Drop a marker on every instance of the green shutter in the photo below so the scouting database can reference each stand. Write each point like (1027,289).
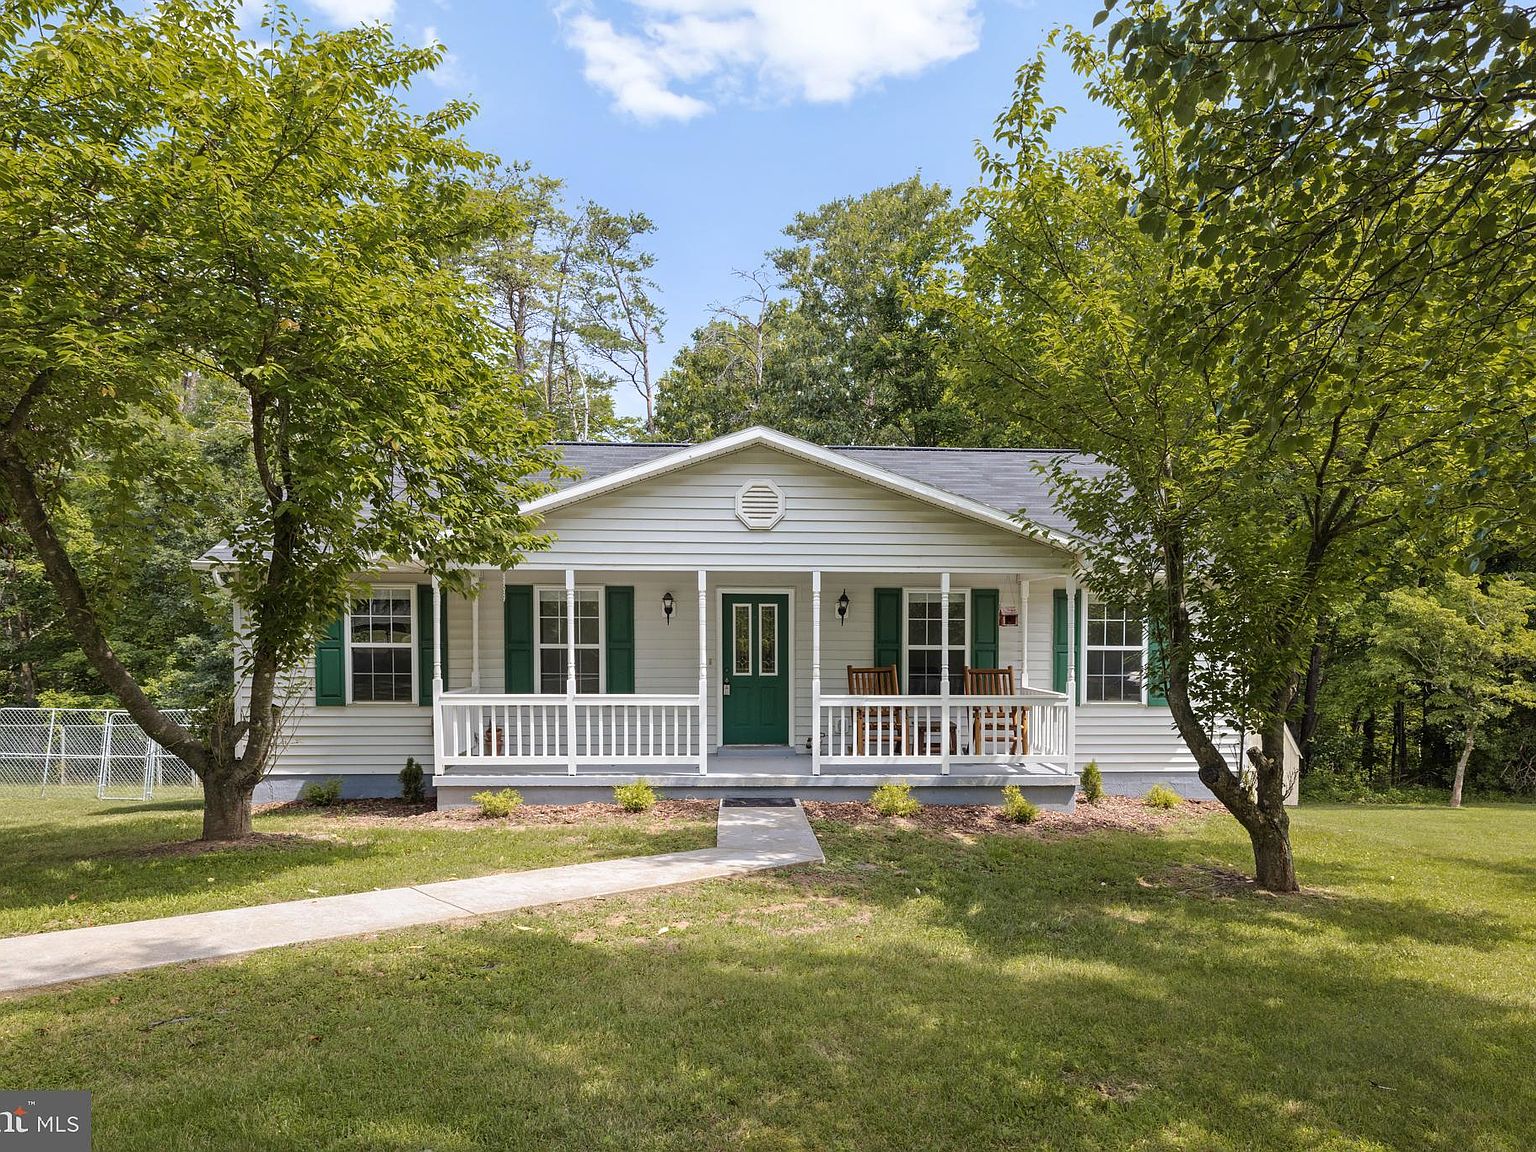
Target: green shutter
(1059,639)
(619,622)
(1157,675)
(517,637)
(331,666)
(984,604)
(424,642)
(888,629)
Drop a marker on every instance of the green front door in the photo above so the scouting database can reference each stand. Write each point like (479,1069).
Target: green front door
(755,685)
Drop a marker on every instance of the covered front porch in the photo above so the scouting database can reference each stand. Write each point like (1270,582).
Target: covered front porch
(767,708)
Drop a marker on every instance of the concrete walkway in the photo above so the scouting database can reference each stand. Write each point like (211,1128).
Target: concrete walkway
(748,840)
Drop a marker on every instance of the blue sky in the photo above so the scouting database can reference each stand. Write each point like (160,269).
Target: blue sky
(720,119)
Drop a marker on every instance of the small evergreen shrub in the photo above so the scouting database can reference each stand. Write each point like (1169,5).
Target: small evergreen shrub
(321,793)
(1162,796)
(412,788)
(1017,808)
(1092,782)
(495,804)
(895,800)
(636,797)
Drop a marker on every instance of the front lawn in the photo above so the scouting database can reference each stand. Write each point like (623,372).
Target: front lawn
(922,990)
(72,862)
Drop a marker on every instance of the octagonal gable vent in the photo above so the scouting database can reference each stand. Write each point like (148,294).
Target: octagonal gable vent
(760,504)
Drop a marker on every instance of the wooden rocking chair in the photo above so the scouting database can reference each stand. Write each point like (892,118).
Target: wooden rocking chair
(996,729)
(886,726)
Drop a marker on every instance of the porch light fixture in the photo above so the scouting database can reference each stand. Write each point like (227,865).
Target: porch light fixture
(842,607)
(667,604)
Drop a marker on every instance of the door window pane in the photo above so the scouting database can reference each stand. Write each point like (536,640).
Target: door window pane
(741,640)
(768,639)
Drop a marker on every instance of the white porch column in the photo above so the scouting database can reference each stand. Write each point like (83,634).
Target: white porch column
(474,633)
(1023,632)
(570,670)
(437,678)
(1071,672)
(703,673)
(944,717)
(815,673)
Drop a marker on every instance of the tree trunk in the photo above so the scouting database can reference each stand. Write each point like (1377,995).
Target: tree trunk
(1368,748)
(1461,766)
(1262,811)
(226,807)
(1314,685)
(1273,865)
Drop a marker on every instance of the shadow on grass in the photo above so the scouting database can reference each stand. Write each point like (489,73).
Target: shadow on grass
(914,993)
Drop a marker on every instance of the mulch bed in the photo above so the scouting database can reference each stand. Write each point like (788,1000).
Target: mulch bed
(381,813)
(1112,813)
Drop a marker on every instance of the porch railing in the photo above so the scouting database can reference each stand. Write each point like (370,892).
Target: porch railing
(544,731)
(1030,727)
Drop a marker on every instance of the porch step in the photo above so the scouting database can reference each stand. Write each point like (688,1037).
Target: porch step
(758,802)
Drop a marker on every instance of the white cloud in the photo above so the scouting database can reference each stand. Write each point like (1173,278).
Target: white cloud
(356,11)
(449,73)
(679,56)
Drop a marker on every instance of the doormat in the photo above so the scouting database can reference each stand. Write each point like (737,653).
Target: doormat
(758,802)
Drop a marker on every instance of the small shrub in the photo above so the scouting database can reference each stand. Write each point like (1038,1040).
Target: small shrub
(1092,782)
(412,789)
(1162,796)
(895,800)
(636,797)
(321,793)
(1017,808)
(494,804)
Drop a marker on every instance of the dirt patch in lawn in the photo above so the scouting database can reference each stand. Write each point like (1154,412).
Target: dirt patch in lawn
(1216,883)
(1112,813)
(256,840)
(384,813)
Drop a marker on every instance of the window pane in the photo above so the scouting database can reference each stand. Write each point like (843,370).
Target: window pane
(923,672)
(587,678)
(768,639)
(552,670)
(741,640)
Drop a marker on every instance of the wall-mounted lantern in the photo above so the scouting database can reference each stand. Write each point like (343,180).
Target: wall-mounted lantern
(842,606)
(667,604)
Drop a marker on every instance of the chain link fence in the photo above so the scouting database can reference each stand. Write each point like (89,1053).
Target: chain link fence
(77,751)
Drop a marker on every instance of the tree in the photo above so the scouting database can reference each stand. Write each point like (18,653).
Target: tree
(1471,649)
(174,198)
(872,344)
(620,319)
(1243,500)
(537,270)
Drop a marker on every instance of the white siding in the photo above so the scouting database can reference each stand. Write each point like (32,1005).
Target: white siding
(357,738)
(688,518)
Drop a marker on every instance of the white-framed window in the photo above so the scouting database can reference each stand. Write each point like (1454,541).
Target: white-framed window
(381,636)
(551,635)
(1114,654)
(925,641)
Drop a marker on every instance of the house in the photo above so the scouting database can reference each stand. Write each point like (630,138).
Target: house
(724,618)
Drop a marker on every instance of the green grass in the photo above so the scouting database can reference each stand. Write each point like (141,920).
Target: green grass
(916,992)
(72,862)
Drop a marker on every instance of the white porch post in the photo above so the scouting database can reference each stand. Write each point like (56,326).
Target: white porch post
(1071,672)
(703,674)
(474,633)
(438,767)
(944,669)
(816,672)
(570,671)
(1023,632)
